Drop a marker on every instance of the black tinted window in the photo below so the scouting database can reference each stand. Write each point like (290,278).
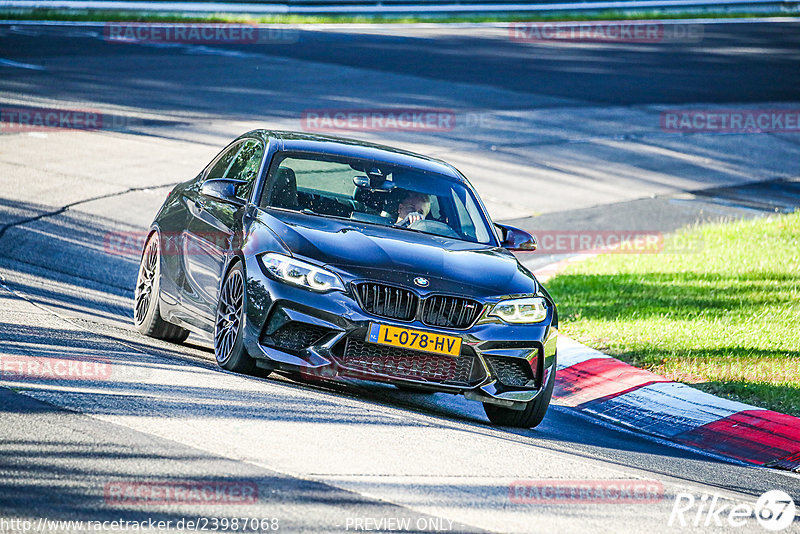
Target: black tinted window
(245,167)
(223,162)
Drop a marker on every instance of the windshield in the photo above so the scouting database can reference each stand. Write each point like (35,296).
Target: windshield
(376,193)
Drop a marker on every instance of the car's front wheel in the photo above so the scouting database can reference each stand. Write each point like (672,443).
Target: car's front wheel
(229,346)
(146,310)
(533,413)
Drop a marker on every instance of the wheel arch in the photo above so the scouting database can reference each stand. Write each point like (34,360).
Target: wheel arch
(154,229)
(236,257)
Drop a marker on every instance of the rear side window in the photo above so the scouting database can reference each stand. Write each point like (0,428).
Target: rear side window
(245,166)
(319,177)
(323,186)
(219,167)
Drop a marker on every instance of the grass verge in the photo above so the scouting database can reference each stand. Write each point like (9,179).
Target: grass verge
(723,316)
(97,15)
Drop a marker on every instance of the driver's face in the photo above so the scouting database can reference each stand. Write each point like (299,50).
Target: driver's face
(410,205)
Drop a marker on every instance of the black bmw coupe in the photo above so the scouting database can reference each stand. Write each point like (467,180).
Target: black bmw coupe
(317,256)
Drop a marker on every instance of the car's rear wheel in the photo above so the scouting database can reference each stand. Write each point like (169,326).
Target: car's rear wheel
(531,416)
(229,325)
(146,299)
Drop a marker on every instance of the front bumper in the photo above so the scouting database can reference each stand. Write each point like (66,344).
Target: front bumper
(321,336)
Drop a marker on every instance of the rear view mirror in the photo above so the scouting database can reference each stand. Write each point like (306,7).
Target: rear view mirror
(361,181)
(516,239)
(374,184)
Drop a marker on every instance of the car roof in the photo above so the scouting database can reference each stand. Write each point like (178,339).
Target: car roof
(340,146)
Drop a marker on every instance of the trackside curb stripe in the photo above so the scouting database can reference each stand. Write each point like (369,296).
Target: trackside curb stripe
(605,387)
(790,463)
(665,409)
(758,436)
(571,352)
(598,378)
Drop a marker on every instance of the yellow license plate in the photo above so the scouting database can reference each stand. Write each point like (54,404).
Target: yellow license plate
(414,339)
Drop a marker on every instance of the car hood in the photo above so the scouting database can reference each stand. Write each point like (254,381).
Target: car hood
(366,251)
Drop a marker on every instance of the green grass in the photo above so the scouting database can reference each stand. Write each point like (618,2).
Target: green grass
(723,316)
(140,16)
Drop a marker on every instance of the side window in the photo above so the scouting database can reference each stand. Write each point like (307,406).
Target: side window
(223,162)
(245,167)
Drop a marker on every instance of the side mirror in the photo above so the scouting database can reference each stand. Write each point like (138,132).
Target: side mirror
(516,239)
(223,189)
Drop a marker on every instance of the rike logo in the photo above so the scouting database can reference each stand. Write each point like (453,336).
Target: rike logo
(774,511)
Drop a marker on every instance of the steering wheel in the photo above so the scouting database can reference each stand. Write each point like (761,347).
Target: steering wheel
(434,227)
(405,222)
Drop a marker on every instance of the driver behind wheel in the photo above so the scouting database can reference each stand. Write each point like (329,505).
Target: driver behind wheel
(412,208)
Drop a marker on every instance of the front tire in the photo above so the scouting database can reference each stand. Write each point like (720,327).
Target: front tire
(229,324)
(147,297)
(533,413)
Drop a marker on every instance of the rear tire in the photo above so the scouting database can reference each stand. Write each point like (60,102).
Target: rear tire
(533,413)
(229,347)
(147,297)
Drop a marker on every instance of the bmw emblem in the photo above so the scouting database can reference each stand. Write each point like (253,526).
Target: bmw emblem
(421,282)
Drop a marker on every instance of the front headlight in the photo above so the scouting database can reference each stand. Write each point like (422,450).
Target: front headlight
(301,273)
(526,310)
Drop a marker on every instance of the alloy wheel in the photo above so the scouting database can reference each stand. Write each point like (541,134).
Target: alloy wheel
(229,316)
(145,280)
